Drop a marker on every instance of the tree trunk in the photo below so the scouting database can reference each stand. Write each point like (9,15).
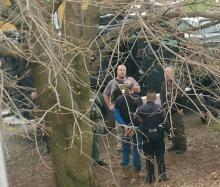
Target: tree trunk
(71,137)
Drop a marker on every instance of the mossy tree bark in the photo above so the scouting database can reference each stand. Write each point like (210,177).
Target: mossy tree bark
(60,69)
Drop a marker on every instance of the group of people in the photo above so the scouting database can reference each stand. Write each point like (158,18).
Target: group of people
(143,125)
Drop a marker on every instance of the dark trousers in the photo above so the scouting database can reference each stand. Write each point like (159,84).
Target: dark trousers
(154,148)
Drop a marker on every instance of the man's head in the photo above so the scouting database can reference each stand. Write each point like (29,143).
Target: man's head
(121,71)
(128,85)
(151,95)
(169,73)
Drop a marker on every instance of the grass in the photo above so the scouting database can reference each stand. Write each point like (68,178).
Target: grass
(200,5)
(215,124)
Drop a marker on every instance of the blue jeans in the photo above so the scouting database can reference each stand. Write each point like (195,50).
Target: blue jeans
(136,142)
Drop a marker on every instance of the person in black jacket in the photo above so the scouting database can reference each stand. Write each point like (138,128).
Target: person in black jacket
(152,119)
(125,107)
(113,90)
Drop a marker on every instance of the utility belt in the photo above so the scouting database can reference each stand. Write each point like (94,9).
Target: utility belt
(152,130)
(153,133)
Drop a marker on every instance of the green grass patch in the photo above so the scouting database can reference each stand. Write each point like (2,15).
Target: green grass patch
(200,5)
(215,124)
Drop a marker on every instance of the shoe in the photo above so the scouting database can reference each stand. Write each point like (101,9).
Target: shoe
(135,175)
(150,179)
(163,178)
(204,118)
(126,172)
(142,173)
(181,151)
(214,112)
(172,148)
(101,163)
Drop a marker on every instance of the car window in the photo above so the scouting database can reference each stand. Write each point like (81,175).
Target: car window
(110,19)
(209,30)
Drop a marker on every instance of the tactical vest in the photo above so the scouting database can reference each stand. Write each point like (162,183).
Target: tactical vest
(118,90)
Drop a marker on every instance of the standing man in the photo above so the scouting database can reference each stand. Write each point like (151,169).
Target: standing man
(172,102)
(96,117)
(152,125)
(125,107)
(113,90)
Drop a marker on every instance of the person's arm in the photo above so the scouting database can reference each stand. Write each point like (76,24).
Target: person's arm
(163,93)
(108,103)
(164,121)
(138,117)
(117,116)
(106,96)
(137,88)
(140,102)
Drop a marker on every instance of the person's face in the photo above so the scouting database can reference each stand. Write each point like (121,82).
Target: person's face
(169,74)
(121,71)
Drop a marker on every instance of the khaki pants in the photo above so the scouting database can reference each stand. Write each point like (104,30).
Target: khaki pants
(118,130)
(179,140)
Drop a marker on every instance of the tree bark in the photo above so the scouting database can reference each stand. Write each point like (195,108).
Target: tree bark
(64,94)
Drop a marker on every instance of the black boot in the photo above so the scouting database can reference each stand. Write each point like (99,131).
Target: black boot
(163,177)
(150,179)
(161,169)
(204,118)
(172,148)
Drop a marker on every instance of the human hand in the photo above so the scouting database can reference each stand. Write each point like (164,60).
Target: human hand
(33,95)
(35,109)
(129,131)
(111,107)
(180,112)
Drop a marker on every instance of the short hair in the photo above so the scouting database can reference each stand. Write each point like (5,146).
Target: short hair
(121,65)
(129,84)
(151,95)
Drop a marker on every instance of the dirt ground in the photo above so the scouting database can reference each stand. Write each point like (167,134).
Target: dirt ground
(27,163)
(198,167)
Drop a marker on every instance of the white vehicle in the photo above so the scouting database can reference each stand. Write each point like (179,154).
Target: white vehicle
(208,35)
(157,101)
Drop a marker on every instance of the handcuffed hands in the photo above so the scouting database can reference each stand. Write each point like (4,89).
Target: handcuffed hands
(129,131)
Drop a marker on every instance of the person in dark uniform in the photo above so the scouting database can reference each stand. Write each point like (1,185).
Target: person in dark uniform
(152,117)
(172,102)
(125,107)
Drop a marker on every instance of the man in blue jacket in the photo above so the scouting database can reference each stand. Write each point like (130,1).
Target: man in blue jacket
(125,107)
